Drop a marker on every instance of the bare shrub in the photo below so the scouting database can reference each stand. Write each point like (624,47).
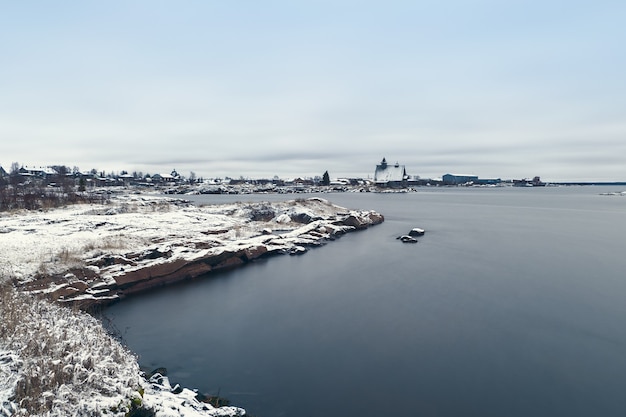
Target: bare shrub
(35,194)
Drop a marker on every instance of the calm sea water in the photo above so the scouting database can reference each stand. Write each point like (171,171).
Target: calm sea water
(512,304)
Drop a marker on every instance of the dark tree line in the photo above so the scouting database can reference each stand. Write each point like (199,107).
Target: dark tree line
(18,191)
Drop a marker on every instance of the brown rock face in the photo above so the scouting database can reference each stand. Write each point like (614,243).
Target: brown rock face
(230,263)
(180,269)
(197,269)
(149,273)
(168,273)
(64,292)
(255,252)
(376,218)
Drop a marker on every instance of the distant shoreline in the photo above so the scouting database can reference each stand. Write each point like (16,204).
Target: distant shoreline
(589,183)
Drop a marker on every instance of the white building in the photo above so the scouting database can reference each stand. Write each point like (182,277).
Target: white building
(390,175)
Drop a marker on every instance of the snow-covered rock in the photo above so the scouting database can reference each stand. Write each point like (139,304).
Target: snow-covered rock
(93,254)
(416,231)
(176,401)
(10,367)
(407,239)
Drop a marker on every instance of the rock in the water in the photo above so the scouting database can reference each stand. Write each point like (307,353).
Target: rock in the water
(407,239)
(417,232)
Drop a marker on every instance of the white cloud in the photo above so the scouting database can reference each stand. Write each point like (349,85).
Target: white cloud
(309,87)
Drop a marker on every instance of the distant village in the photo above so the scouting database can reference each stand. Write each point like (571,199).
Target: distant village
(386,175)
(58,174)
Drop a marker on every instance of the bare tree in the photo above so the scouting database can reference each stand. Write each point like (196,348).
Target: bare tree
(14,174)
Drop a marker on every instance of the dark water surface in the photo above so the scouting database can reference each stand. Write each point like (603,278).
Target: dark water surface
(512,304)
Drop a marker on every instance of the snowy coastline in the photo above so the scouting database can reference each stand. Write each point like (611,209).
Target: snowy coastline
(96,254)
(61,362)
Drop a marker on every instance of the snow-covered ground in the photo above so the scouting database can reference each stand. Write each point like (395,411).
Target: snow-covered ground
(55,361)
(52,241)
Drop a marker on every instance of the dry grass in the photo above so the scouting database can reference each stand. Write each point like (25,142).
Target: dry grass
(161,206)
(68,256)
(42,270)
(107,243)
(64,259)
(66,356)
(6,272)
(142,207)
(114,242)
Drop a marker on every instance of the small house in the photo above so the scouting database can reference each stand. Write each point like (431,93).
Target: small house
(41,172)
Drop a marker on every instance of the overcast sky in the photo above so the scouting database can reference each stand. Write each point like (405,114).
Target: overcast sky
(494,88)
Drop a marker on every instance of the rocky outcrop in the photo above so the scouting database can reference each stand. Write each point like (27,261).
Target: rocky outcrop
(362,221)
(109,277)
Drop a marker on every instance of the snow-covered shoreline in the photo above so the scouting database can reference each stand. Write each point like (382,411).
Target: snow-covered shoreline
(57,362)
(98,253)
